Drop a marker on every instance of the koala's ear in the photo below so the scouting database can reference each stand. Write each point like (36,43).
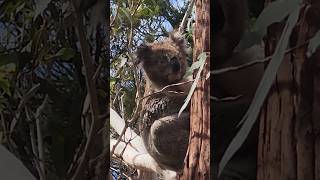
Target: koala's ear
(142,52)
(178,39)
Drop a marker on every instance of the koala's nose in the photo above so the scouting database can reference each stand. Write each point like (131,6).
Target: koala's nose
(175,66)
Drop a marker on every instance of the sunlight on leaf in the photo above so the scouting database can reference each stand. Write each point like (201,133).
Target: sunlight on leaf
(123,61)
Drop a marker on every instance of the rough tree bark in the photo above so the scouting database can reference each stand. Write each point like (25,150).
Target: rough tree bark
(197,162)
(289,121)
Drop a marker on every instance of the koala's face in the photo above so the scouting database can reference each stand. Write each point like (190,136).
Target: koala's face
(164,62)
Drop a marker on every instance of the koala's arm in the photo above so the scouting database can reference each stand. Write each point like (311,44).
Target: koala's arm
(168,140)
(243,81)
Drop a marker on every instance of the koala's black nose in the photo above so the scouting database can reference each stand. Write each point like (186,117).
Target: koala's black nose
(175,65)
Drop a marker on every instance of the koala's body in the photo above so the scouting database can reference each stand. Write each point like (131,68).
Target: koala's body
(230,24)
(165,135)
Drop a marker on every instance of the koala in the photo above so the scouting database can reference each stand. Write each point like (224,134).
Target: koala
(164,62)
(165,135)
(230,24)
(230,21)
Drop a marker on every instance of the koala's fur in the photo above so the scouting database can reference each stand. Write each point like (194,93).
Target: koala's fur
(231,18)
(164,62)
(164,134)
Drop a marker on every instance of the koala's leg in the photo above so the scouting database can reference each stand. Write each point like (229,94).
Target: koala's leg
(169,137)
(226,116)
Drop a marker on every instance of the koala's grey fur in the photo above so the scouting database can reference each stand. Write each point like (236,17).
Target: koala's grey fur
(165,135)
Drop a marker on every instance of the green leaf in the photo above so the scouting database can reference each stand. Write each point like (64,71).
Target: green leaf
(195,65)
(63,53)
(8,58)
(127,13)
(66,53)
(201,59)
(314,44)
(251,115)
(112,83)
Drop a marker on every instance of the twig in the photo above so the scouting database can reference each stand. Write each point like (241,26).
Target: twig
(186,15)
(33,143)
(23,101)
(225,99)
(119,139)
(91,88)
(96,74)
(124,128)
(242,66)
(163,90)
(135,10)
(39,136)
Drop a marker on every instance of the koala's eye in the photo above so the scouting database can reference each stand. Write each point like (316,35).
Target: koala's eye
(162,61)
(174,59)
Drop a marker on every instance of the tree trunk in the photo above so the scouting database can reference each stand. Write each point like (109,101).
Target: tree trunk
(197,162)
(289,121)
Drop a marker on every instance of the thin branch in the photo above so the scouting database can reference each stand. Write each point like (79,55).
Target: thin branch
(115,16)
(118,124)
(135,10)
(22,103)
(225,99)
(243,66)
(40,138)
(124,128)
(91,88)
(33,143)
(166,91)
(186,15)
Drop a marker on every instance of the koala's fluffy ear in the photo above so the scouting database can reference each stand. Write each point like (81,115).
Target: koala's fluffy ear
(178,39)
(142,52)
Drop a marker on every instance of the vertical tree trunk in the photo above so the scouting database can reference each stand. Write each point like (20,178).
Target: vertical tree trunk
(289,122)
(197,163)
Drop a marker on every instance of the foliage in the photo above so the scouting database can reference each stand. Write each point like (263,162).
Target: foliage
(39,46)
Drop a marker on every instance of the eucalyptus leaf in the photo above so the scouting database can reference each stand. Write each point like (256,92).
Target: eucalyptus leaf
(201,59)
(63,53)
(194,66)
(313,44)
(276,11)
(66,53)
(8,58)
(127,13)
(252,113)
